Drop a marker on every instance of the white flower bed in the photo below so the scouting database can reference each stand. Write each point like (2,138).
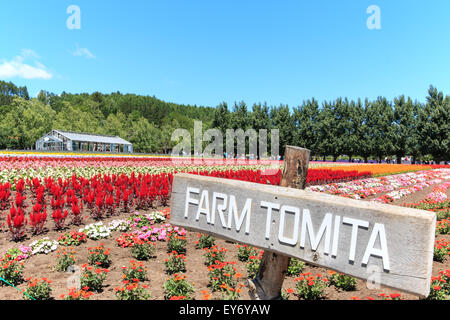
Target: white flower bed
(96,231)
(156,216)
(44,245)
(119,225)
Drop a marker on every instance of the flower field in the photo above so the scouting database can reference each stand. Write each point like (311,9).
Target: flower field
(394,186)
(92,227)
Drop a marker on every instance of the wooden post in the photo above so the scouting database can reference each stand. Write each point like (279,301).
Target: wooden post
(272,270)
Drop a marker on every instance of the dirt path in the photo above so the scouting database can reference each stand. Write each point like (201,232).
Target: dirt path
(418,196)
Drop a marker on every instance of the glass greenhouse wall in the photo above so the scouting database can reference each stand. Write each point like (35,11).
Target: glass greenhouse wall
(58,140)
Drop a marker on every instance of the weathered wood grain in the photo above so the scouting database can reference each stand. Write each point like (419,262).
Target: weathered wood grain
(409,232)
(273,267)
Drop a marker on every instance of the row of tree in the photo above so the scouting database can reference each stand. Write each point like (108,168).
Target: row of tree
(367,129)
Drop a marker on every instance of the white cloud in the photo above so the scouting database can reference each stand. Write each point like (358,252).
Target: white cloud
(17,68)
(83,52)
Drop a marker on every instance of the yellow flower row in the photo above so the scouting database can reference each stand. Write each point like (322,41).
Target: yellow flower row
(381,169)
(63,153)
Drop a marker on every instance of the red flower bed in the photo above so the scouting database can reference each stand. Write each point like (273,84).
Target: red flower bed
(107,195)
(325,176)
(314,177)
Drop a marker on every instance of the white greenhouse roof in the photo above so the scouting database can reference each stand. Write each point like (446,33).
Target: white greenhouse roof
(48,138)
(87,137)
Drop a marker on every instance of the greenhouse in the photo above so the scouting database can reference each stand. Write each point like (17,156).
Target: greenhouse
(58,140)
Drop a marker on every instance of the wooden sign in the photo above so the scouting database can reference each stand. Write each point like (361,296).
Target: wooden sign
(390,244)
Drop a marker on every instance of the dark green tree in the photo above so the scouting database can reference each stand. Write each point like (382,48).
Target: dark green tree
(306,120)
(281,119)
(260,120)
(354,142)
(434,126)
(379,124)
(329,131)
(365,137)
(404,127)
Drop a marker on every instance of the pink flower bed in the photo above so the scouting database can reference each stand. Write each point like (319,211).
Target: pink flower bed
(397,186)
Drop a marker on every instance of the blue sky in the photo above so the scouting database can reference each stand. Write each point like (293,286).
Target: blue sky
(207,51)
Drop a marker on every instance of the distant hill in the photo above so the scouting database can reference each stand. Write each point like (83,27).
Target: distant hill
(146,121)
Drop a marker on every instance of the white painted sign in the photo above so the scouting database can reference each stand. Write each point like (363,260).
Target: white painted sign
(350,236)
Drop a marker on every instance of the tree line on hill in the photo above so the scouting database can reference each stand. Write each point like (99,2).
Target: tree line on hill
(145,121)
(367,129)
